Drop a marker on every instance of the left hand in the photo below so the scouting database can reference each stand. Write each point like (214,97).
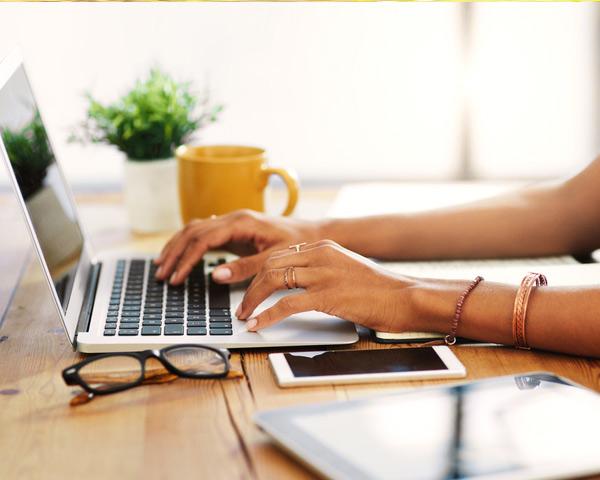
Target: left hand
(335,281)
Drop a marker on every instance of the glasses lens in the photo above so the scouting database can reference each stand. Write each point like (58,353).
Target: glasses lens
(196,360)
(111,372)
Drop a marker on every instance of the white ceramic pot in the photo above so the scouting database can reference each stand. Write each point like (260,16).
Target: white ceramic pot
(151,195)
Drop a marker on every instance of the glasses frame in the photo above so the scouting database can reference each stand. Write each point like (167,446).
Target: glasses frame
(71,374)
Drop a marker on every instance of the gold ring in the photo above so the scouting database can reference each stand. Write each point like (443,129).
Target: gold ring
(286,278)
(297,246)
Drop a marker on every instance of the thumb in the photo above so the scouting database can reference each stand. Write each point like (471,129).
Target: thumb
(240,269)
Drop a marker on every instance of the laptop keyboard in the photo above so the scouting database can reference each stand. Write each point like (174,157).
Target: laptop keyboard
(142,305)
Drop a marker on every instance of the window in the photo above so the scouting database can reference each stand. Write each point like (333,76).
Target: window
(337,91)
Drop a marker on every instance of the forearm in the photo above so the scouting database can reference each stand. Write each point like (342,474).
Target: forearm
(532,222)
(509,226)
(558,318)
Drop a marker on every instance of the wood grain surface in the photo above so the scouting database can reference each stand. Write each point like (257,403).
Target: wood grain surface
(183,429)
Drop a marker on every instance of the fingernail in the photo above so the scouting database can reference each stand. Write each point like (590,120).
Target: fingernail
(238,311)
(223,273)
(251,324)
(173,277)
(158,272)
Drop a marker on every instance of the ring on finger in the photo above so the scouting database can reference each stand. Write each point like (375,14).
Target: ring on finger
(290,273)
(297,246)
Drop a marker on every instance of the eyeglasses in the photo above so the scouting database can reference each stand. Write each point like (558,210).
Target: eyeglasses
(114,372)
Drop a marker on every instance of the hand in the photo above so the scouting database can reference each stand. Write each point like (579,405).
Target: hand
(334,281)
(243,232)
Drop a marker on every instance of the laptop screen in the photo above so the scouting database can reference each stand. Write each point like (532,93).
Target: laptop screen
(40,182)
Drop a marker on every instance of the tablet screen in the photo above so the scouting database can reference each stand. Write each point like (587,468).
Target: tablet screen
(511,427)
(310,364)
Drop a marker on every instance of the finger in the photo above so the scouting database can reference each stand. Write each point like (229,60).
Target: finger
(201,233)
(269,282)
(193,253)
(303,248)
(240,269)
(166,248)
(304,258)
(196,250)
(302,302)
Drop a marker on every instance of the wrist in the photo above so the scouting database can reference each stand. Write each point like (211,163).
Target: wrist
(338,230)
(434,303)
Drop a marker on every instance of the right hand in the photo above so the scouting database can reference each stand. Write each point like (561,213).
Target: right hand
(255,233)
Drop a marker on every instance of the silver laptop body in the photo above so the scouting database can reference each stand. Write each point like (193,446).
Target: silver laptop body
(94,295)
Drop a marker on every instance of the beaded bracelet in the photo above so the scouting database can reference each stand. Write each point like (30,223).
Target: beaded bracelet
(520,309)
(450,339)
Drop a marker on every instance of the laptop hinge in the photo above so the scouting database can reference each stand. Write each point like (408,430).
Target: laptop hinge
(85,316)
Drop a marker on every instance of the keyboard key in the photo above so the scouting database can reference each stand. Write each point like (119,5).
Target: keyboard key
(153,311)
(196,324)
(109,332)
(131,308)
(173,329)
(174,314)
(153,305)
(196,317)
(220,326)
(220,320)
(128,333)
(154,293)
(129,326)
(173,320)
(196,311)
(151,330)
(221,332)
(218,295)
(152,316)
(220,312)
(130,314)
(196,331)
(151,322)
(130,319)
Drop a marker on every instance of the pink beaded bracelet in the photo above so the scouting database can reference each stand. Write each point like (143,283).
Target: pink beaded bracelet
(450,339)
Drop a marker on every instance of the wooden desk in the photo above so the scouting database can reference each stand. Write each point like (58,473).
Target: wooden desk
(186,429)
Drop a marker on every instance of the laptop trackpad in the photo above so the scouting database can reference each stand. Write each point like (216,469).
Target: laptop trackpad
(306,324)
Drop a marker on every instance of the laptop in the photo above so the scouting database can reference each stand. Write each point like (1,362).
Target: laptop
(112,302)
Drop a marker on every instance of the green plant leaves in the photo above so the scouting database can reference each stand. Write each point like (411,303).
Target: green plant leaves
(29,152)
(150,121)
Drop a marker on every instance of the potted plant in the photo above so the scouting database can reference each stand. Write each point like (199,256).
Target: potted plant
(147,124)
(30,155)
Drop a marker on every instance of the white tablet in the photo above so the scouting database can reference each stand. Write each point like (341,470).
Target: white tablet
(508,428)
(361,366)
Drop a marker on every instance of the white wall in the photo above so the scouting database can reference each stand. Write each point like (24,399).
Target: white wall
(534,91)
(337,91)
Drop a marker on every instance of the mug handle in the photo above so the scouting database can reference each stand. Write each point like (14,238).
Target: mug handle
(291,182)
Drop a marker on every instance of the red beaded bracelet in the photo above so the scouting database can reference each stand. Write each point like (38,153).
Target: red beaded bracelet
(450,339)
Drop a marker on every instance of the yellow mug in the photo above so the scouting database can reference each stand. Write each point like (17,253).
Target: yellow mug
(214,180)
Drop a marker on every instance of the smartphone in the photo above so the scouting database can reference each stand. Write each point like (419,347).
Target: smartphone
(364,366)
